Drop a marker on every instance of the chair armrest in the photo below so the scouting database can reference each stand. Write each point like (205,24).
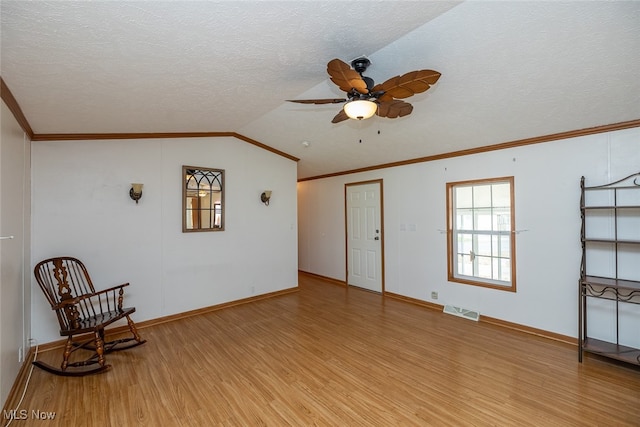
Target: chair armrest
(103,301)
(110,289)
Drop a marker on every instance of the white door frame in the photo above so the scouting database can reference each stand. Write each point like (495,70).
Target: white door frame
(346,226)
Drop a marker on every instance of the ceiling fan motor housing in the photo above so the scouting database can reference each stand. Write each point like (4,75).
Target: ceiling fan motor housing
(360,64)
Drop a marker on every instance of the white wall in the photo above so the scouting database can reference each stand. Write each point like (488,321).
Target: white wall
(14,253)
(81,208)
(547,192)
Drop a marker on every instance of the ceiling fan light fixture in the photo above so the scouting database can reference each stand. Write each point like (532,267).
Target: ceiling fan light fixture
(360,109)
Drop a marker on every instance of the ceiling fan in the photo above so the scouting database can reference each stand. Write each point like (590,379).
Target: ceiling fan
(365,98)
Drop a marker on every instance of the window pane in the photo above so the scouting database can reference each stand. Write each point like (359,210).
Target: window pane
(483,219)
(464,197)
(504,247)
(465,243)
(464,219)
(465,266)
(484,245)
(482,196)
(484,267)
(501,195)
(505,270)
(501,219)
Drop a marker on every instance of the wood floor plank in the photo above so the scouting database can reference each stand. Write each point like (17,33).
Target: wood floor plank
(334,356)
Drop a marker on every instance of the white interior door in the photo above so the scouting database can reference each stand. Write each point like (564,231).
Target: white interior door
(364,236)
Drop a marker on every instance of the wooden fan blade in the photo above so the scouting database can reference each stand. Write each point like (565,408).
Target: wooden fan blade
(408,84)
(318,101)
(384,97)
(340,117)
(394,109)
(345,77)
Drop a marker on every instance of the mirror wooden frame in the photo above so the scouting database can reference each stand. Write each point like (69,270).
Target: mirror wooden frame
(202,199)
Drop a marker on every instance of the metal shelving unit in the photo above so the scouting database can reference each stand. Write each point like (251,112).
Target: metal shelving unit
(614,208)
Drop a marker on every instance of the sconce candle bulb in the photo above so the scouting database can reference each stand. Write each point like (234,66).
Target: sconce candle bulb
(136,192)
(265,196)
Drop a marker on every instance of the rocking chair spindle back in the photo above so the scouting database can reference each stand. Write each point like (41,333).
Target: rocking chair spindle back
(82,311)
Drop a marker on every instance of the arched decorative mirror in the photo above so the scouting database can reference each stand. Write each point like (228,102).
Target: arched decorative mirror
(202,199)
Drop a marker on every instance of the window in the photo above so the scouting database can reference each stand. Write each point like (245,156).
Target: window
(203,199)
(481,233)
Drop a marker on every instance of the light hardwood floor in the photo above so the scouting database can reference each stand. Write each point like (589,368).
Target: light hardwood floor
(332,356)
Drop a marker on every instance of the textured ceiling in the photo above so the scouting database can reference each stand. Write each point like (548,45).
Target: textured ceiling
(510,70)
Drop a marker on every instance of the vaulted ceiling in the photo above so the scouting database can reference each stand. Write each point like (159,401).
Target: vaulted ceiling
(510,71)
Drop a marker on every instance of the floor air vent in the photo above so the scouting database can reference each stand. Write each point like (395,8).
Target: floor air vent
(462,312)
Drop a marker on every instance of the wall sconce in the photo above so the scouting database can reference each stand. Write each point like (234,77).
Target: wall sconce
(265,196)
(136,192)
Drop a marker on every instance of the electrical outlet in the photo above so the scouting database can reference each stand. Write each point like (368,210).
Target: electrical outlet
(434,295)
(20,355)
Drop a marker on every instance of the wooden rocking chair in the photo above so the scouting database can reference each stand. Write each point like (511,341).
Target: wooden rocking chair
(83,314)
